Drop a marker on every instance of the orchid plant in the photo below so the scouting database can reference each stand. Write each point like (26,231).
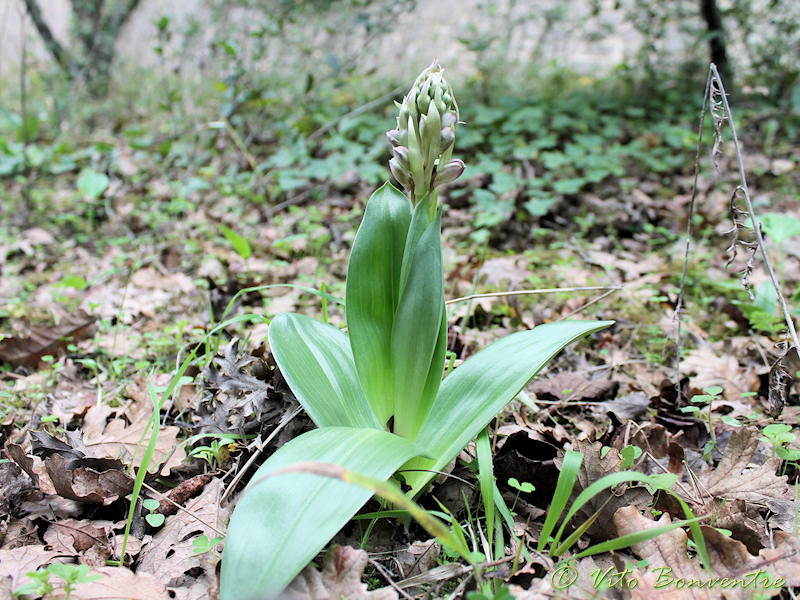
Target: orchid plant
(377,393)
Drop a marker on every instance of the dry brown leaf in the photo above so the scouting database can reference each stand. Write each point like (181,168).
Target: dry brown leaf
(87,483)
(117,583)
(170,555)
(565,581)
(573,386)
(117,439)
(668,561)
(150,278)
(734,478)
(16,562)
(36,341)
(33,466)
(418,557)
(73,537)
(724,371)
(341,576)
(607,502)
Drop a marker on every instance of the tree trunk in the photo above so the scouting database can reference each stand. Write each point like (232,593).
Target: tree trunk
(716,41)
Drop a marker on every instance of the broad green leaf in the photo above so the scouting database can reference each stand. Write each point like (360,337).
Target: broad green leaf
(91,183)
(317,363)
(239,243)
(280,523)
(416,333)
(373,293)
(479,389)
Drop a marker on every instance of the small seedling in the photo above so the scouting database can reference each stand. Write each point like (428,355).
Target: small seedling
(779,435)
(217,452)
(629,454)
(153,518)
(71,574)
(201,544)
(239,243)
(707,399)
(524,487)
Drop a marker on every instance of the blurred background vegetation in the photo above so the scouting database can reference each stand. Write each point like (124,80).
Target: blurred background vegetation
(280,102)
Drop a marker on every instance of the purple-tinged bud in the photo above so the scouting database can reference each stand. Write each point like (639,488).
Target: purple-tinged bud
(395,137)
(401,153)
(449,172)
(448,136)
(448,119)
(400,173)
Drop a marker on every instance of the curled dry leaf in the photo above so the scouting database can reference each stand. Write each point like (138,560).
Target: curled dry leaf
(341,576)
(571,385)
(781,378)
(63,469)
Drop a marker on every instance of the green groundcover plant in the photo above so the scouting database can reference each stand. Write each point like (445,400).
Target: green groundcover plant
(376,393)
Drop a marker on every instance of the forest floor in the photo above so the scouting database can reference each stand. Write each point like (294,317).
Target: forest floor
(119,258)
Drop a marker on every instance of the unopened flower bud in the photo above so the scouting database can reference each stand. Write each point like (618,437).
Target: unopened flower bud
(400,173)
(449,119)
(423,140)
(449,172)
(447,137)
(401,154)
(397,137)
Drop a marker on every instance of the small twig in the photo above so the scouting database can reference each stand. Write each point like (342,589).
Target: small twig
(590,288)
(676,316)
(588,304)
(756,227)
(285,420)
(377,566)
(181,508)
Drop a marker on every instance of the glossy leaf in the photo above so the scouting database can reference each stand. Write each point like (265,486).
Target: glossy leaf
(280,523)
(479,389)
(373,293)
(415,334)
(317,363)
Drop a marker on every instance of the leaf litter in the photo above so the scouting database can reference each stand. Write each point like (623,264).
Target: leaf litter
(63,489)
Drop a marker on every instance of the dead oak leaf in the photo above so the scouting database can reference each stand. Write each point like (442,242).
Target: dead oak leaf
(16,562)
(669,561)
(72,536)
(36,341)
(118,583)
(724,371)
(341,575)
(116,438)
(170,555)
(734,477)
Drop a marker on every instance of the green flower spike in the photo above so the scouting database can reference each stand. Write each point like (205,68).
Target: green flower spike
(422,144)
